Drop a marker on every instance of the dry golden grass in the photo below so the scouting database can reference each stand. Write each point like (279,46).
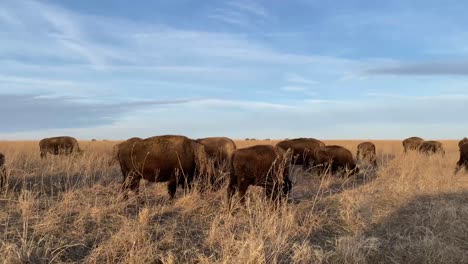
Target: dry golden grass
(67,209)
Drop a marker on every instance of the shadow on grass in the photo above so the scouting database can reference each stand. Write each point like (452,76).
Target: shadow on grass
(428,229)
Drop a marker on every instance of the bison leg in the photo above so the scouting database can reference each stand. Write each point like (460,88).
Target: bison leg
(287,186)
(172,187)
(460,165)
(43,155)
(130,182)
(242,185)
(231,190)
(3,178)
(135,185)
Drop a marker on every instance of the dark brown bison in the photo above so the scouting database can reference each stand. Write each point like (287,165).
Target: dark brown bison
(463,162)
(302,150)
(431,147)
(3,172)
(335,158)
(412,143)
(115,150)
(463,141)
(175,159)
(260,165)
(366,153)
(219,149)
(59,146)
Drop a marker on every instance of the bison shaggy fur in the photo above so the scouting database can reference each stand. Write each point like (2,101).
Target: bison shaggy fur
(412,143)
(431,147)
(463,141)
(219,149)
(59,146)
(366,152)
(261,165)
(335,158)
(115,149)
(302,150)
(169,158)
(463,162)
(3,173)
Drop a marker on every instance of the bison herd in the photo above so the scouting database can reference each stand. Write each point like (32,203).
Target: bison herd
(179,160)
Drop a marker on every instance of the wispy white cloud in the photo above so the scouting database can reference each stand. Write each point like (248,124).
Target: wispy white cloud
(250,7)
(293,88)
(230,17)
(238,13)
(296,78)
(445,96)
(243,104)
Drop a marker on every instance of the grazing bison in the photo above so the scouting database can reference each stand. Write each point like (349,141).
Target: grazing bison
(260,165)
(463,141)
(431,147)
(463,162)
(59,146)
(302,150)
(334,159)
(412,143)
(366,153)
(220,149)
(115,150)
(3,173)
(172,159)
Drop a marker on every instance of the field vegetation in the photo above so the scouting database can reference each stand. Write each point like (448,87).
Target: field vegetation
(413,209)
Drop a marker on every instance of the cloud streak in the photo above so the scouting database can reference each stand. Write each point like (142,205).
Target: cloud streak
(426,68)
(33,112)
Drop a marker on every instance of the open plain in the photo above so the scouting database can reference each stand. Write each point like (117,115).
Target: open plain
(68,209)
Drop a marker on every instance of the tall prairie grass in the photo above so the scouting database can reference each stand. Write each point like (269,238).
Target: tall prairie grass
(67,210)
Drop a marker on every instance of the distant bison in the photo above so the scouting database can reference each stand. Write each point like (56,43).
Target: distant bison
(334,159)
(463,141)
(59,146)
(175,159)
(366,153)
(463,162)
(302,150)
(412,143)
(261,165)
(431,147)
(3,172)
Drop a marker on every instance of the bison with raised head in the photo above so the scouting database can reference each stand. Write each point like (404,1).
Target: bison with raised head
(3,172)
(431,147)
(262,165)
(334,159)
(462,142)
(412,143)
(463,161)
(366,153)
(302,150)
(59,146)
(173,159)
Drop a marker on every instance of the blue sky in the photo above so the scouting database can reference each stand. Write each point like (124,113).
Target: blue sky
(264,69)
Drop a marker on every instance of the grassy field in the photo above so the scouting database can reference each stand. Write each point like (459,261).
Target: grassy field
(67,210)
